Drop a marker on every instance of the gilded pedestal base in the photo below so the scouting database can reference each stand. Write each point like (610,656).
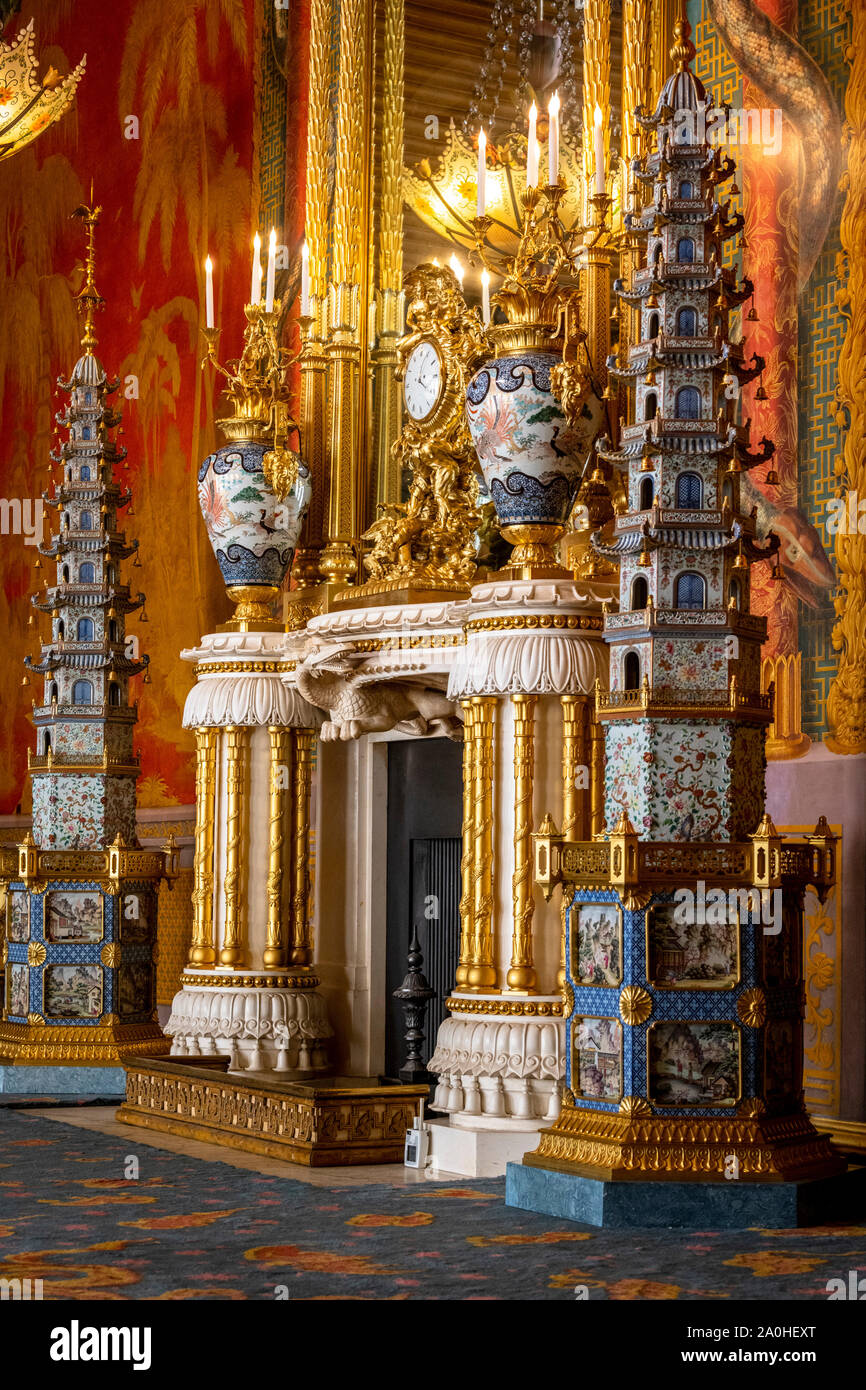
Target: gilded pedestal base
(617,1147)
(104,1044)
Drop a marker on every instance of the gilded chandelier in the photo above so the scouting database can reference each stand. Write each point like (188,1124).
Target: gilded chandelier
(27,105)
(444,197)
(527,56)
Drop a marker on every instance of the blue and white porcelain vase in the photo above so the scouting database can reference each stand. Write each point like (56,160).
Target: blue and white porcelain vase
(531,456)
(252,532)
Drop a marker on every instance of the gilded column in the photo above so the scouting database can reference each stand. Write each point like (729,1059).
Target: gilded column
(521,976)
(636,91)
(482,974)
(596,93)
(846,700)
(636,63)
(314,361)
(389,304)
(276,943)
(301,950)
(596,82)
(662,16)
(573,807)
(596,776)
(237,749)
(467,862)
(785,737)
(202,947)
(345,311)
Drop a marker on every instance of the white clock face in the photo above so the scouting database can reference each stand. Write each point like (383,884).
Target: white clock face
(422,380)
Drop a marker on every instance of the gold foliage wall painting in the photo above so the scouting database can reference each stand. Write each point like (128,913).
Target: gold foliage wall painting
(167,134)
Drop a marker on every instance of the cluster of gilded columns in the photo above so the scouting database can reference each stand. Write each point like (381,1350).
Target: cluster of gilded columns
(353,320)
(476,968)
(582,817)
(219,933)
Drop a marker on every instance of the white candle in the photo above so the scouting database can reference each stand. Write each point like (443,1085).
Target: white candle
(305,280)
(532,149)
(256,290)
(482,174)
(598,141)
(553,140)
(272,272)
(485,296)
(457,268)
(208,292)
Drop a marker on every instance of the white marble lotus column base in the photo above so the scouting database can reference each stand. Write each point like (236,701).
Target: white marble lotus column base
(499,1082)
(277,1032)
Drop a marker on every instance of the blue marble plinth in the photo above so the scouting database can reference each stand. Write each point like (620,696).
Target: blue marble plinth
(696,1206)
(62,1081)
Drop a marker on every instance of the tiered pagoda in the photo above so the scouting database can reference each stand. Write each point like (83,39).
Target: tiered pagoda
(84,771)
(81,895)
(685,717)
(684,940)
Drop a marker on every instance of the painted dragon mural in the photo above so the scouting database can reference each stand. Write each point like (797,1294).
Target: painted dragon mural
(792,81)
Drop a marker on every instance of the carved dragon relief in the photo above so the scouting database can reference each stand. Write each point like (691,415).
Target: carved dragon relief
(360,702)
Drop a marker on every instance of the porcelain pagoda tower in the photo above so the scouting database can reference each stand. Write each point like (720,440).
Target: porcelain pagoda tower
(85,770)
(81,894)
(684,942)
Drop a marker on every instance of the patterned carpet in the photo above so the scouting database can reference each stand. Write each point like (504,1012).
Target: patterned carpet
(190,1229)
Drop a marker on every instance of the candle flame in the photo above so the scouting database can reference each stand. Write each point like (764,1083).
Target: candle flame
(485,277)
(305,251)
(272,240)
(554,103)
(457,268)
(533,112)
(208,265)
(597,116)
(482,139)
(257,242)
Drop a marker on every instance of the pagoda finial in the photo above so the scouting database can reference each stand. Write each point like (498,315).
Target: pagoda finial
(683,50)
(89,299)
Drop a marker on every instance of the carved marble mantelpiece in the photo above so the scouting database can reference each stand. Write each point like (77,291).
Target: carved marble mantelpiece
(519,659)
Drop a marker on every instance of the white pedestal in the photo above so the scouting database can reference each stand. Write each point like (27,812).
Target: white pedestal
(482,1151)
